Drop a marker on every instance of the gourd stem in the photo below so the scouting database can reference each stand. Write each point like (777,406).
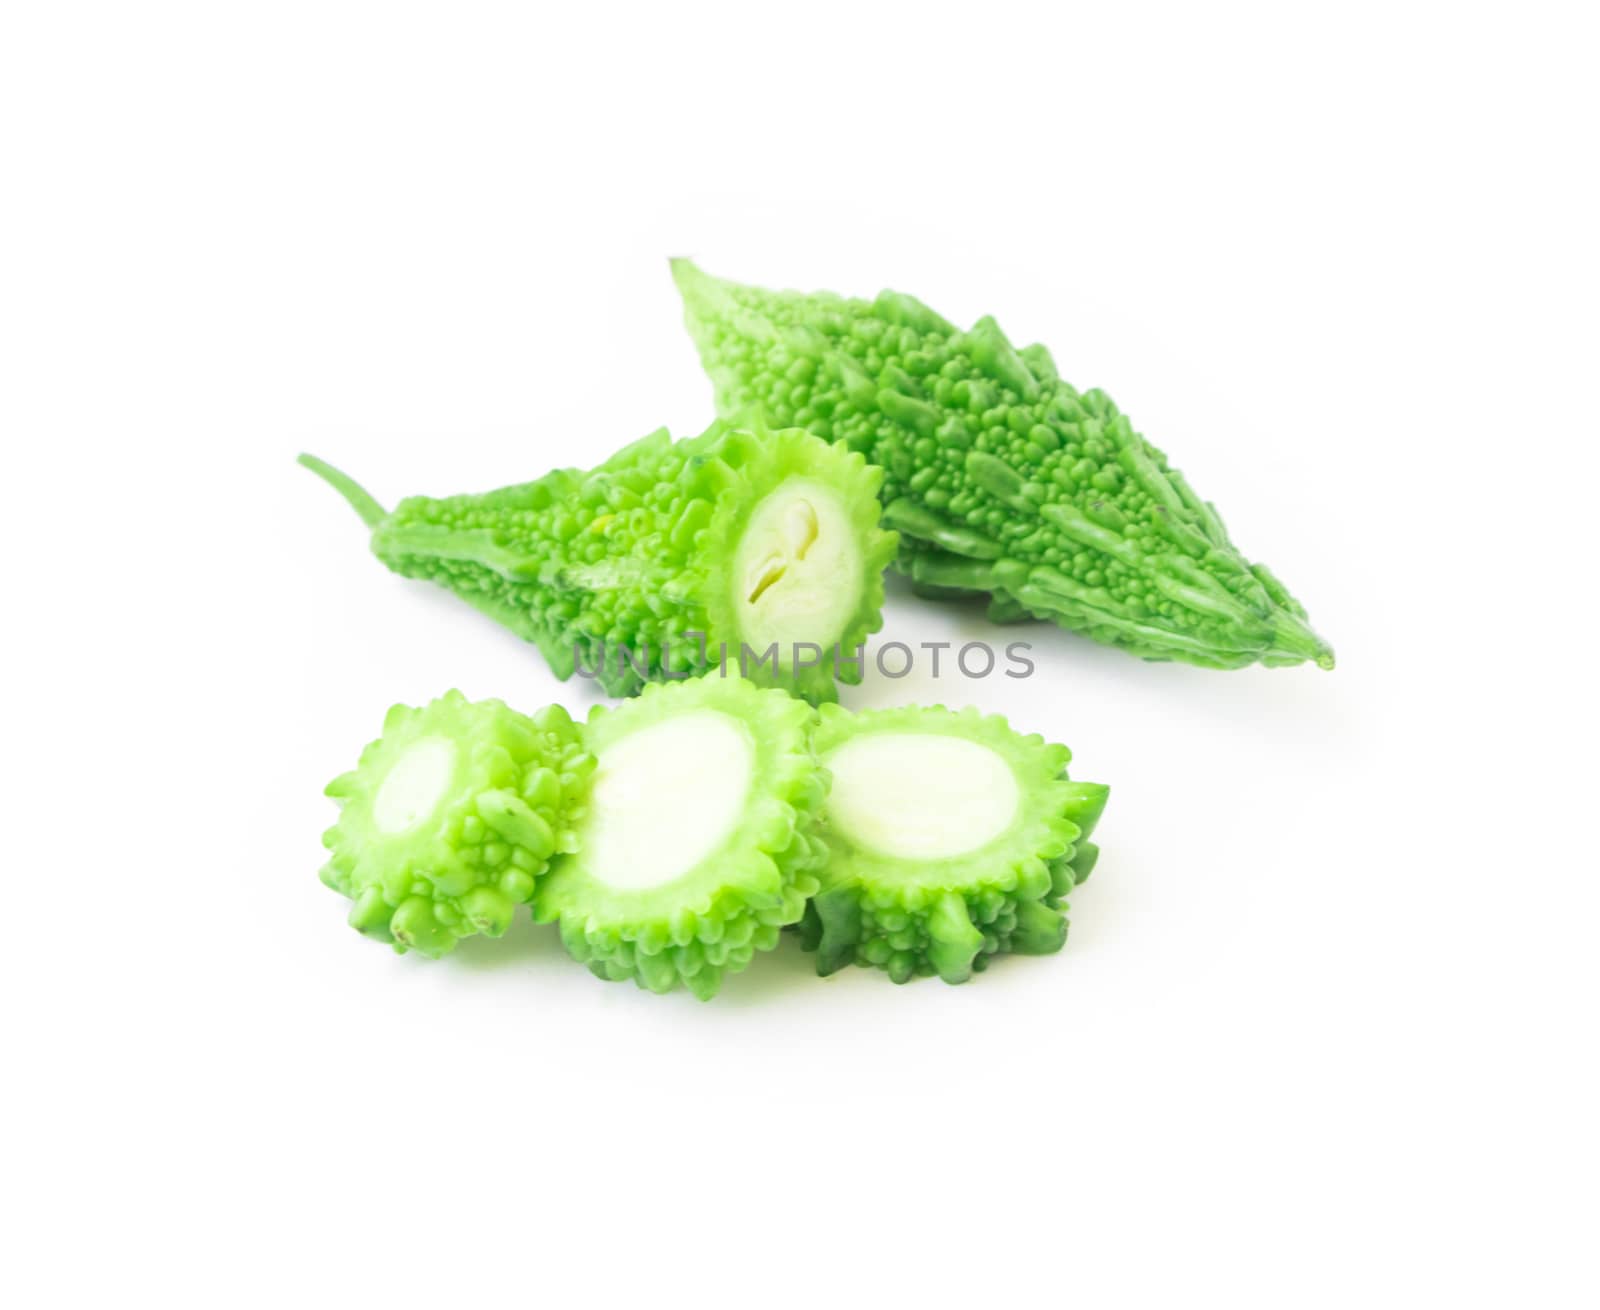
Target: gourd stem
(360,499)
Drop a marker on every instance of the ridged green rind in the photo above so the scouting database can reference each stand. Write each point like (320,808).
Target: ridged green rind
(710,921)
(1000,477)
(515,791)
(919,918)
(616,570)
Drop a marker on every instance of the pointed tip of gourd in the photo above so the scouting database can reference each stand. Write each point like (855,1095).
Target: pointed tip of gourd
(685,271)
(1294,642)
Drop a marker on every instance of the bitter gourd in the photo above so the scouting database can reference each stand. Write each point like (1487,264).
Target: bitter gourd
(1000,477)
(450,818)
(699,841)
(756,551)
(950,838)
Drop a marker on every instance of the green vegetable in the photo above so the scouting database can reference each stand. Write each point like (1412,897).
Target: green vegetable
(699,840)
(672,837)
(450,817)
(950,838)
(1000,477)
(759,552)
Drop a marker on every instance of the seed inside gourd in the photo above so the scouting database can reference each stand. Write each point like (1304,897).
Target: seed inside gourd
(763,576)
(799,528)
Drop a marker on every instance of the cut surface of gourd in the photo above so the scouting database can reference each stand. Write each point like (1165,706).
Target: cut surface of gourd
(450,817)
(652,816)
(700,839)
(414,786)
(951,839)
(920,796)
(798,572)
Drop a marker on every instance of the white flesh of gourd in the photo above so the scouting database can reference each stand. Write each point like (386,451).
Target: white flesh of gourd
(414,786)
(665,798)
(920,796)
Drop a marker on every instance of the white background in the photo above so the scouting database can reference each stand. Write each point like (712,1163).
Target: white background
(1324,1032)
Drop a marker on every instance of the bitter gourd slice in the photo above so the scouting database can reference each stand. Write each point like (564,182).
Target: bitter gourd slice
(699,841)
(1000,477)
(760,552)
(951,839)
(451,816)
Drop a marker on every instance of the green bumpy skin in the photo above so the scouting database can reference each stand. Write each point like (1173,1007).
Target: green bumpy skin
(1000,477)
(951,839)
(450,818)
(731,765)
(765,544)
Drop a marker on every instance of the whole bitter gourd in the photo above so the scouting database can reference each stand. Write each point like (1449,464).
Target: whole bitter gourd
(698,843)
(450,818)
(1000,477)
(759,551)
(951,839)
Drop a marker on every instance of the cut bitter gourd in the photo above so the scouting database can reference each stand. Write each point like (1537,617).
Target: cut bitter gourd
(450,818)
(760,552)
(1000,477)
(951,839)
(699,842)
